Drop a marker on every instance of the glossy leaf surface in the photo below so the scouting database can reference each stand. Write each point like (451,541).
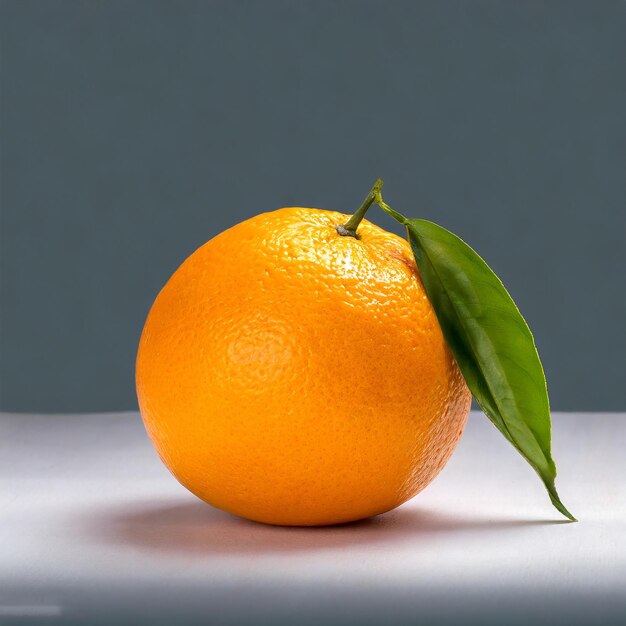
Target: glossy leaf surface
(490,341)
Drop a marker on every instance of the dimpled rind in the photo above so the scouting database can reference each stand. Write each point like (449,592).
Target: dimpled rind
(291,375)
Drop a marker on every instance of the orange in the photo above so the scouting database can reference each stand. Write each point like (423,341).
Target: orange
(292,375)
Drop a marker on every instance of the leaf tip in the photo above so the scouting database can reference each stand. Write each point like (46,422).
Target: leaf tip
(558,505)
(566,513)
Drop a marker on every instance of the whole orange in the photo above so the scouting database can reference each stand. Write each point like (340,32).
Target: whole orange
(292,375)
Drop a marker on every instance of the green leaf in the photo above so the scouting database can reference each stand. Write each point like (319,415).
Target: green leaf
(490,340)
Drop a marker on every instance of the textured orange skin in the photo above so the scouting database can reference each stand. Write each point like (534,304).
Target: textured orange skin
(293,376)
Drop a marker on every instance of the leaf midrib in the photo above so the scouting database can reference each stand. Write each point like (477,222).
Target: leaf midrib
(473,351)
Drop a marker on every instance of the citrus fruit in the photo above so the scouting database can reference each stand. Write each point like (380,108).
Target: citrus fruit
(292,375)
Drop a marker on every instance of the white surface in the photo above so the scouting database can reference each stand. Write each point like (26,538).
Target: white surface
(94,529)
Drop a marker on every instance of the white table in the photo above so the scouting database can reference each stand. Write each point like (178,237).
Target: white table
(93,529)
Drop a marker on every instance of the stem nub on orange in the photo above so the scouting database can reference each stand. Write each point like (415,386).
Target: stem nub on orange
(292,375)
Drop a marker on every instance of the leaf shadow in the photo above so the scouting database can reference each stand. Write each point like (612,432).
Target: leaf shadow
(195,528)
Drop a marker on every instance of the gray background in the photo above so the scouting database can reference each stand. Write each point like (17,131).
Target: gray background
(132,132)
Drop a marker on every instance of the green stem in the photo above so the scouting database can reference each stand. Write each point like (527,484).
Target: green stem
(349,228)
